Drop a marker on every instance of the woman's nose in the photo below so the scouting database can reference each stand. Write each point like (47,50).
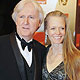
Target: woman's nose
(57,31)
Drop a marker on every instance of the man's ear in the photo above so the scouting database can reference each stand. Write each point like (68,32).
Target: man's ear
(37,28)
(39,25)
(16,22)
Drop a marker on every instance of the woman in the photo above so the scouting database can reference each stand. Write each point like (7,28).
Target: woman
(62,61)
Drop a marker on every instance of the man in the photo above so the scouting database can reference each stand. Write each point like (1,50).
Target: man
(20,54)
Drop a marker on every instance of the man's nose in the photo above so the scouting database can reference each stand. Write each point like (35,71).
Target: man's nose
(26,21)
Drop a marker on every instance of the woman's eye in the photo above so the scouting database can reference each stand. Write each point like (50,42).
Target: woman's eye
(62,28)
(52,28)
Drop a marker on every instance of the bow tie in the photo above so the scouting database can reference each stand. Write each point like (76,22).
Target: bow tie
(24,43)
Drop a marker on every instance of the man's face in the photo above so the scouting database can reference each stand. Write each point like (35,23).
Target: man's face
(27,21)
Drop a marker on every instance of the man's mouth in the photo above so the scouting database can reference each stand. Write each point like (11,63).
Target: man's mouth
(25,28)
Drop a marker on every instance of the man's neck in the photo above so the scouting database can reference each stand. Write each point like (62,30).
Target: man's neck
(27,39)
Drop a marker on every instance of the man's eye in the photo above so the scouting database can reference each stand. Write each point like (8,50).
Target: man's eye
(31,17)
(22,16)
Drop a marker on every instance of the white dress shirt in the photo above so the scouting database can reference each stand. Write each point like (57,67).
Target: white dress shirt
(25,53)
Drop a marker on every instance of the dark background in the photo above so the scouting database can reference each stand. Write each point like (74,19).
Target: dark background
(7,25)
(77,26)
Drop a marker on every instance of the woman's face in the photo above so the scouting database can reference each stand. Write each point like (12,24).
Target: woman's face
(56,29)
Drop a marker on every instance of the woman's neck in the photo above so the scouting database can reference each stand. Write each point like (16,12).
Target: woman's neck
(57,49)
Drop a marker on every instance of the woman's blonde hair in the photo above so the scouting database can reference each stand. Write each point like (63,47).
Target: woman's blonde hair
(51,14)
(70,52)
(21,5)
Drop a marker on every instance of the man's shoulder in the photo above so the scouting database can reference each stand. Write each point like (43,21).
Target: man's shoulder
(40,48)
(38,44)
(4,37)
(4,41)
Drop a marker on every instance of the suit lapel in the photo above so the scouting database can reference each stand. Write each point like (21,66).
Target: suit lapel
(36,61)
(18,56)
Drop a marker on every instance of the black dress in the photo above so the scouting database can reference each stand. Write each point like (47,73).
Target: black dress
(57,74)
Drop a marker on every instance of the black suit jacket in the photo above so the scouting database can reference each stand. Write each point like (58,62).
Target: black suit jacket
(11,62)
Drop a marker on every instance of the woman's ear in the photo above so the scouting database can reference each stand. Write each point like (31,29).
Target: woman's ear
(46,32)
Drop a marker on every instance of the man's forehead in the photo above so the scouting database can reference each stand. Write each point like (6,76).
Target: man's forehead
(30,5)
